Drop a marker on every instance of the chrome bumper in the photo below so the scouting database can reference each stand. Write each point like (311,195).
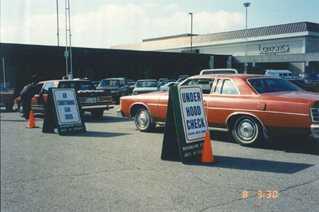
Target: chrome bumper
(315,130)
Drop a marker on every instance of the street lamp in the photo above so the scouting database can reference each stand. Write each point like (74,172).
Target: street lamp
(246,5)
(191,14)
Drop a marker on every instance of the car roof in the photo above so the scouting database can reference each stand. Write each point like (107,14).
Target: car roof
(147,80)
(64,81)
(238,76)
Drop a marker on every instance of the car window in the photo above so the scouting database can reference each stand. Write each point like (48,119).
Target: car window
(77,85)
(48,85)
(86,86)
(268,85)
(141,84)
(205,84)
(229,88)
(218,86)
(110,83)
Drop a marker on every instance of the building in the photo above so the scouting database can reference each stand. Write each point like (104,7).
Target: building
(292,46)
(20,61)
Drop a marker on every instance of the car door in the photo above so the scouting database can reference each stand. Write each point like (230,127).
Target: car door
(221,102)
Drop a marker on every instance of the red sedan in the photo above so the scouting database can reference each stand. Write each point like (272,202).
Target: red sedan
(252,107)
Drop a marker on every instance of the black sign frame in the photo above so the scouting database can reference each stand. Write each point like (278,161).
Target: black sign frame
(175,147)
(52,120)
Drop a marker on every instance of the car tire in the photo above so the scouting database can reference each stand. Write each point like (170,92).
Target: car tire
(97,113)
(247,131)
(143,120)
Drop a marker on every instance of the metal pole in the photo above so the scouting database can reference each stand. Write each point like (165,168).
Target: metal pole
(57,22)
(246,5)
(70,44)
(4,73)
(66,52)
(191,14)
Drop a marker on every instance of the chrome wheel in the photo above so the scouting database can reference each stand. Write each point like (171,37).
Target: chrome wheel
(143,120)
(247,131)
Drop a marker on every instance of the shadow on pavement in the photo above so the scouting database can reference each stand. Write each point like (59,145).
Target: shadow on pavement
(287,144)
(97,134)
(104,119)
(256,165)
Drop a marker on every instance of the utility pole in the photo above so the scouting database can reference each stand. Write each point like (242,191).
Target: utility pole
(68,45)
(57,22)
(4,73)
(246,5)
(191,14)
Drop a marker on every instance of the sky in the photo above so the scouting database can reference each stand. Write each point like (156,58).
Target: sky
(103,23)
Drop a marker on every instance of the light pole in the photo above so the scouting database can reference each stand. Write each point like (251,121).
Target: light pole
(191,14)
(57,22)
(246,5)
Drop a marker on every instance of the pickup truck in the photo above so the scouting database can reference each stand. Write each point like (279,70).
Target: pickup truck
(90,99)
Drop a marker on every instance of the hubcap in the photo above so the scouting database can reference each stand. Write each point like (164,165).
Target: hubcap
(142,119)
(246,130)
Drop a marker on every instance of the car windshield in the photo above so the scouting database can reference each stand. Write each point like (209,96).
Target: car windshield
(109,83)
(77,85)
(269,85)
(141,84)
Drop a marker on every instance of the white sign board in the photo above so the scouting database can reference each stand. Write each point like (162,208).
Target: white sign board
(66,106)
(193,113)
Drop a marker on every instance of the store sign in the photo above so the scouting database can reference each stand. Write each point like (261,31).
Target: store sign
(273,49)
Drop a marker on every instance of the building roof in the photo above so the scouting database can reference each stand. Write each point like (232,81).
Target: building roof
(183,40)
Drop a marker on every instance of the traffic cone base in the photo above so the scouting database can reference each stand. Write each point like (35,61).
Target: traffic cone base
(207,154)
(31,122)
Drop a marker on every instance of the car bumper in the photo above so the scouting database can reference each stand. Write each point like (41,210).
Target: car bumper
(315,130)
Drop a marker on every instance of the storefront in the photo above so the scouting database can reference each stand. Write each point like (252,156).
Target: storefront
(294,47)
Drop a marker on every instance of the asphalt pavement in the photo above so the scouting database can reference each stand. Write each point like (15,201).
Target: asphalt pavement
(114,167)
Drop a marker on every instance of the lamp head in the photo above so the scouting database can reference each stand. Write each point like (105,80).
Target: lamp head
(246,4)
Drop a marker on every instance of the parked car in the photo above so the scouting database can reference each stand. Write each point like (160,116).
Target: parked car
(302,84)
(117,87)
(310,78)
(130,86)
(252,107)
(6,98)
(181,78)
(145,86)
(286,74)
(90,99)
(218,71)
(162,81)
(96,83)
(167,86)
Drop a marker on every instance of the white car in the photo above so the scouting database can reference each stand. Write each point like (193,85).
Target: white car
(167,85)
(145,86)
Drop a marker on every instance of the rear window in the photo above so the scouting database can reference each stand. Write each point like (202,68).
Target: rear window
(141,84)
(77,85)
(269,85)
(109,83)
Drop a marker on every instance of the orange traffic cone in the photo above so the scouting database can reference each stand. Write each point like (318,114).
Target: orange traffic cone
(207,154)
(31,123)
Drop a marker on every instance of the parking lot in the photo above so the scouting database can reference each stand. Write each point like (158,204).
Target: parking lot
(115,167)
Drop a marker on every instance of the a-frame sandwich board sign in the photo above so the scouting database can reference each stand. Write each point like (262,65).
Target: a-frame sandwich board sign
(62,112)
(186,125)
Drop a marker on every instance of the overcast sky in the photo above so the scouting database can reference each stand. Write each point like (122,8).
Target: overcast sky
(102,23)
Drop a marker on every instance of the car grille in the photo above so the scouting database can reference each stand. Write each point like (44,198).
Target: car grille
(315,114)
